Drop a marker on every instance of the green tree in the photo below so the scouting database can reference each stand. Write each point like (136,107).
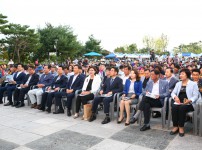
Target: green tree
(195,47)
(120,50)
(161,44)
(67,44)
(132,48)
(149,42)
(3,21)
(143,51)
(129,49)
(20,40)
(105,52)
(93,44)
(158,44)
(3,51)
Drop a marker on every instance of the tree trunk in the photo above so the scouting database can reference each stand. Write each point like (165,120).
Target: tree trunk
(18,55)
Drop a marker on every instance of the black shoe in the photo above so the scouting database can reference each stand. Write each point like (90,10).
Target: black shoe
(20,105)
(69,113)
(120,121)
(39,107)
(106,120)
(144,128)
(181,134)
(15,104)
(133,120)
(42,108)
(59,111)
(92,117)
(174,132)
(157,115)
(8,104)
(127,124)
(48,110)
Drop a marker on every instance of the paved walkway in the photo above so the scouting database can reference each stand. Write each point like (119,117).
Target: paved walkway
(27,129)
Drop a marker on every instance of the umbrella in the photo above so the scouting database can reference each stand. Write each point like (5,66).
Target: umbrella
(112,55)
(92,54)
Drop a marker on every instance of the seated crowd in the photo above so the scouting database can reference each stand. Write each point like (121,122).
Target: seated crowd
(45,85)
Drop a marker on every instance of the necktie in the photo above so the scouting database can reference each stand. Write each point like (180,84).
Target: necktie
(111,81)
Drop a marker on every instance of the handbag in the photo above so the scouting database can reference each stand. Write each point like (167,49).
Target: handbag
(87,109)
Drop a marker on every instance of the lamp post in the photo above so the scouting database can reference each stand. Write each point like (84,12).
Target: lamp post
(56,41)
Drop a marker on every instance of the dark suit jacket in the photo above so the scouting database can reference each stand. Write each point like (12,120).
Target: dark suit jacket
(172,83)
(20,78)
(104,79)
(116,87)
(61,83)
(33,81)
(78,83)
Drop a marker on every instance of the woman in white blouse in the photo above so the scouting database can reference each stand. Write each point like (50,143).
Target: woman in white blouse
(90,87)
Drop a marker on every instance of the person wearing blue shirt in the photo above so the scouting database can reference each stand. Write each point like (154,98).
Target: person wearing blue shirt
(132,90)
(35,95)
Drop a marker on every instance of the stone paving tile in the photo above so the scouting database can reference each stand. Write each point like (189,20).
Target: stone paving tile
(93,130)
(22,148)
(4,119)
(137,147)
(9,132)
(5,145)
(46,120)
(62,124)
(62,139)
(110,144)
(45,130)
(28,127)
(23,138)
(155,139)
(188,142)
(39,130)
(112,125)
(13,122)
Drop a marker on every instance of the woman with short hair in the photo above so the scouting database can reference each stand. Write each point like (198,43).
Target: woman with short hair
(90,87)
(185,95)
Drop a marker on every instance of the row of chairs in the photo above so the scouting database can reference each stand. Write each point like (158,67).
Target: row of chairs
(196,115)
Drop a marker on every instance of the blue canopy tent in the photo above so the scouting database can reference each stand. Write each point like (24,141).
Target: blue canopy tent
(112,55)
(92,54)
(186,54)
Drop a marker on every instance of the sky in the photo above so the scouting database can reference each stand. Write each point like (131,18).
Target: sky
(114,22)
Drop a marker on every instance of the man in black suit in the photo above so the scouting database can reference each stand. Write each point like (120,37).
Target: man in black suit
(75,83)
(111,86)
(18,78)
(31,79)
(59,81)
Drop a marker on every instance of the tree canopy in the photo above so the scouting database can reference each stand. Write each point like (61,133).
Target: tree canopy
(67,44)
(20,41)
(23,44)
(129,49)
(195,47)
